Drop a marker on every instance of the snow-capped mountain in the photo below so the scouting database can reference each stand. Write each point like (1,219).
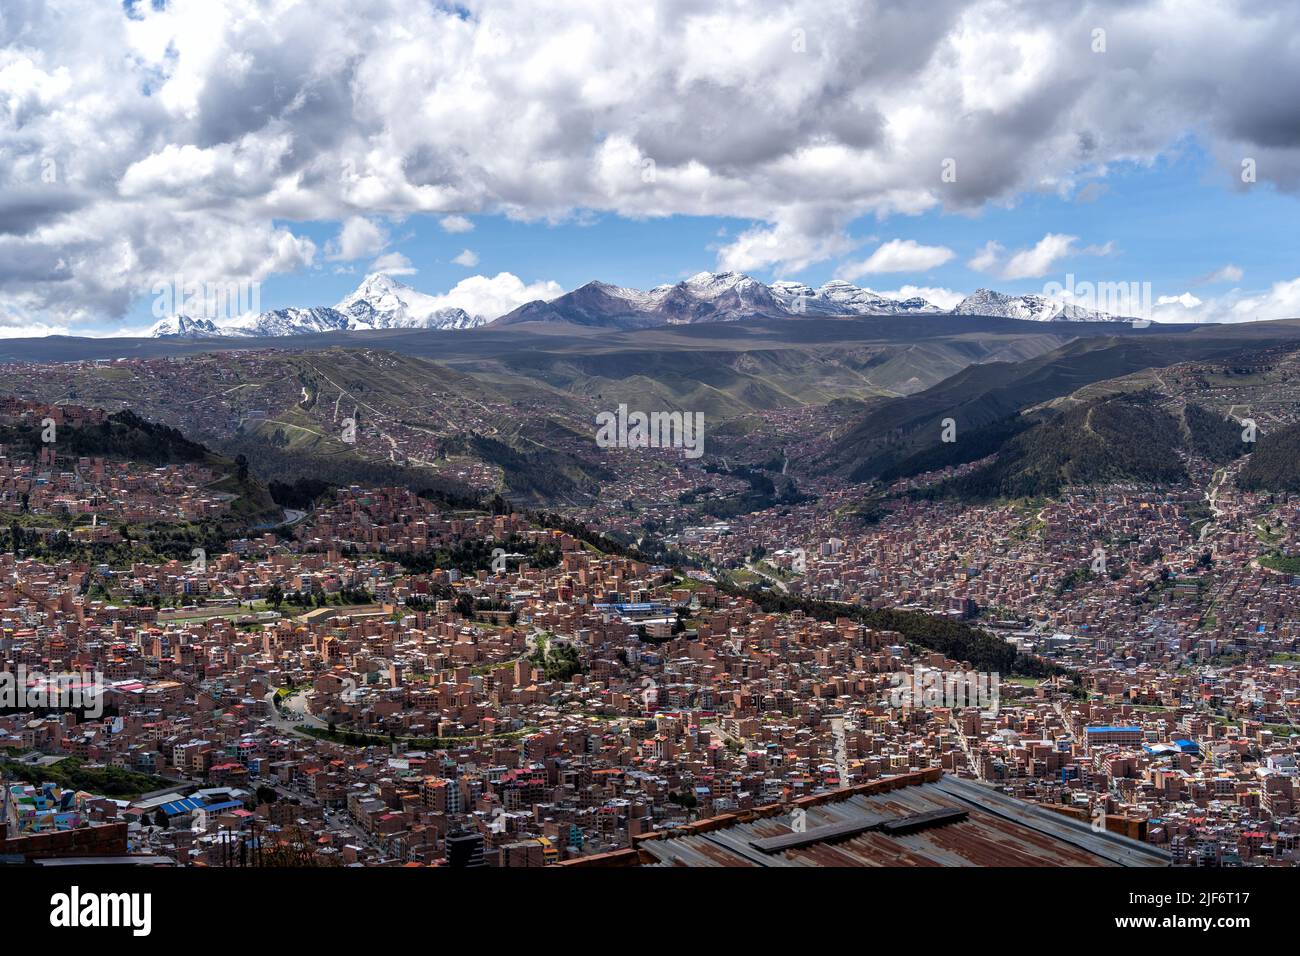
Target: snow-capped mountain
(1036,308)
(183,327)
(712,286)
(380,302)
(731,297)
(708,297)
(716,297)
(290,321)
(839,297)
(277,322)
(704,297)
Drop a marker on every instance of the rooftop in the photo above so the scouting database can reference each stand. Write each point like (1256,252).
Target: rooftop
(917,819)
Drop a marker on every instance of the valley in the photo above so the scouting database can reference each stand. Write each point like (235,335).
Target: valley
(1107,516)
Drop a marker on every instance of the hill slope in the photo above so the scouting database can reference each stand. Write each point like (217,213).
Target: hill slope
(1274,463)
(980,395)
(1121,438)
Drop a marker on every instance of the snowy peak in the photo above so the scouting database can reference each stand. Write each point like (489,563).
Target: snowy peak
(183,327)
(1036,308)
(704,297)
(712,285)
(988,302)
(710,297)
(839,297)
(381,302)
(379,283)
(290,321)
(717,297)
(914,305)
(634,297)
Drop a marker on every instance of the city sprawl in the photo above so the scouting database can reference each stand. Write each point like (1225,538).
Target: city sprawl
(376,672)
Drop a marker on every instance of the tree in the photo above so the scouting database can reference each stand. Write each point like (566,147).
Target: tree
(241,468)
(275,596)
(465,606)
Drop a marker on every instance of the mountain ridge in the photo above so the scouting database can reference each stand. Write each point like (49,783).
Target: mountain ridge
(732,296)
(382,302)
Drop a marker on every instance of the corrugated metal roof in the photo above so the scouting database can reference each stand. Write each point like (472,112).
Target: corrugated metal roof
(997,831)
(186,805)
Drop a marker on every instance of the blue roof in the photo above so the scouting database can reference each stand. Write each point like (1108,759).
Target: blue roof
(225,805)
(187,805)
(1102,730)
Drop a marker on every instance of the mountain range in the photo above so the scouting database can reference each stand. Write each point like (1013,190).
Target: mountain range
(732,297)
(382,302)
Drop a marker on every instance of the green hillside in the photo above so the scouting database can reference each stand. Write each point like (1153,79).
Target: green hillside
(1121,438)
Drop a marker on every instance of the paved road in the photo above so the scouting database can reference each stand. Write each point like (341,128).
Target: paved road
(297,704)
(336,819)
(1211,498)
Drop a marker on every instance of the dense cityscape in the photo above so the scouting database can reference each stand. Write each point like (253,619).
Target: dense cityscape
(384,678)
(489,448)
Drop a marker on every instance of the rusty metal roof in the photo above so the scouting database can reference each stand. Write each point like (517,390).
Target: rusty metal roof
(996,830)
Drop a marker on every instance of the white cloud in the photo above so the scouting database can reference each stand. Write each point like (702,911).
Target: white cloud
(897,255)
(1035,261)
(201,135)
(784,246)
(987,258)
(393,264)
(467,258)
(358,238)
(1280,301)
(1039,259)
(494,296)
(455,224)
(24,330)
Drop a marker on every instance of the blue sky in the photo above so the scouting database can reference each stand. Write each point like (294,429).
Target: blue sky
(1175,223)
(300,145)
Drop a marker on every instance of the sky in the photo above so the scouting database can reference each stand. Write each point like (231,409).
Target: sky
(498,152)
